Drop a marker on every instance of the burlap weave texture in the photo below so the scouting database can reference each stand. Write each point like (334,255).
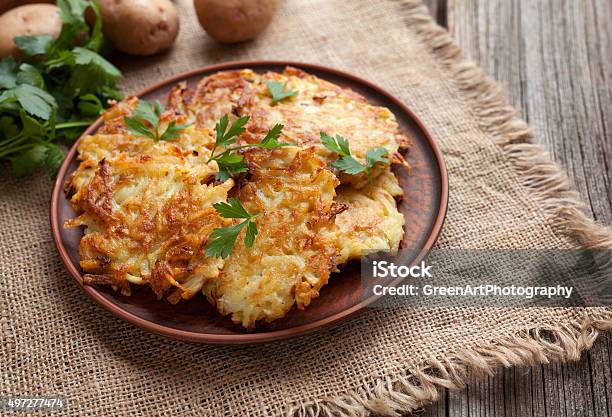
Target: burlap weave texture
(504,193)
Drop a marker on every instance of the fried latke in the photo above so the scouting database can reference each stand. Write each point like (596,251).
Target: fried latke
(293,253)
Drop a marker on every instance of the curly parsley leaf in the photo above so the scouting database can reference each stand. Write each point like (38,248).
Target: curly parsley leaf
(349,165)
(270,141)
(230,162)
(8,78)
(150,112)
(224,239)
(278,91)
(8,127)
(31,127)
(251,232)
(26,162)
(227,136)
(145,122)
(233,209)
(72,12)
(90,105)
(337,145)
(346,162)
(33,45)
(138,128)
(220,128)
(173,131)
(29,74)
(96,63)
(376,155)
(35,101)
(48,155)
(53,158)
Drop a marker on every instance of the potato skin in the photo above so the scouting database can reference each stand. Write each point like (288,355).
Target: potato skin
(11,4)
(32,19)
(230,21)
(140,27)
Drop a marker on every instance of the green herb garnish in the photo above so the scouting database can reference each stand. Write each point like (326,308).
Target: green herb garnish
(56,90)
(230,162)
(224,238)
(346,162)
(145,122)
(278,91)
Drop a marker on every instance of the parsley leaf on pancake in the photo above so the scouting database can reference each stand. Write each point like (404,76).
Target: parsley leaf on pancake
(376,155)
(271,139)
(278,91)
(145,122)
(231,210)
(346,162)
(224,238)
(349,165)
(230,162)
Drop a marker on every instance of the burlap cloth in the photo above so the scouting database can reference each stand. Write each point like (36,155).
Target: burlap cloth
(504,193)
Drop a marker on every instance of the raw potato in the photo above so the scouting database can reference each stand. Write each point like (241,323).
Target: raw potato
(11,4)
(140,27)
(230,21)
(32,19)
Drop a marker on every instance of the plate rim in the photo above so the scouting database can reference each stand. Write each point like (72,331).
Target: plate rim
(254,337)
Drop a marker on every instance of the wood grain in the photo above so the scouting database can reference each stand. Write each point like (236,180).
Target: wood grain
(554,59)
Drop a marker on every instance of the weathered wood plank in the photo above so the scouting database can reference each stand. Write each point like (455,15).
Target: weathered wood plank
(553,58)
(536,386)
(600,364)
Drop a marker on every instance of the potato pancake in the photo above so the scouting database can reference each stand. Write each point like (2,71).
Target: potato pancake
(291,258)
(146,207)
(371,222)
(252,211)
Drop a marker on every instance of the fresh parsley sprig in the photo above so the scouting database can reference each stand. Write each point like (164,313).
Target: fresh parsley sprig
(224,239)
(346,162)
(56,89)
(230,162)
(145,122)
(279,91)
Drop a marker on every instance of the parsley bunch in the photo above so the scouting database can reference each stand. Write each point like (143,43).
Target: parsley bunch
(55,91)
(229,161)
(145,122)
(347,163)
(223,239)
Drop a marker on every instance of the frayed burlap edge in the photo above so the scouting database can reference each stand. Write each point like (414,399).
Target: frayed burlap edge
(417,387)
(543,179)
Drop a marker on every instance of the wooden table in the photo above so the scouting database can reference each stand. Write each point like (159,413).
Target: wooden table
(554,58)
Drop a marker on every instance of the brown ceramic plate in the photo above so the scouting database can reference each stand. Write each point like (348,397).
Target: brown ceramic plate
(424,207)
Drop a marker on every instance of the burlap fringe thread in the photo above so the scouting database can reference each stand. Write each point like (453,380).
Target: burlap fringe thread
(543,179)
